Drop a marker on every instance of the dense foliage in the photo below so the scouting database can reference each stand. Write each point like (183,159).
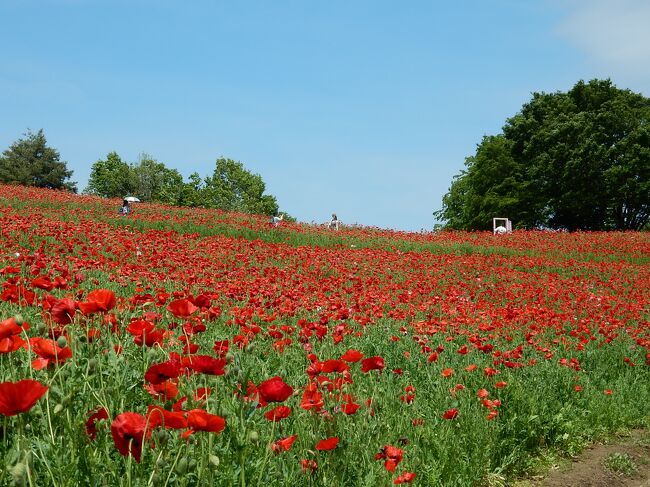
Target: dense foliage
(575,160)
(31,162)
(198,347)
(231,187)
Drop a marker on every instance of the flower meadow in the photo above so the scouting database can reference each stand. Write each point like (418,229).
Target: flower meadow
(188,347)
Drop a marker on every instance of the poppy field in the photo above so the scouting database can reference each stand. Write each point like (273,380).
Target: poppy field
(187,347)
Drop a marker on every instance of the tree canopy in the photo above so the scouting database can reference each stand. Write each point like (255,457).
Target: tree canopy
(231,187)
(575,160)
(111,178)
(31,162)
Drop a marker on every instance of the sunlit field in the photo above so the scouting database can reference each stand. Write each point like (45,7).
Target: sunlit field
(188,347)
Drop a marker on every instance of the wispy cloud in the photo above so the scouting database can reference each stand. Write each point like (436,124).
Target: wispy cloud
(614,34)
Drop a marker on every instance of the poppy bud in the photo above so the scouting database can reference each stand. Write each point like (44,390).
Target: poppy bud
(161,437)
(92,365)
(61,341)
(253,436)
(19,319)
(161,462)
(181,466)
(18,472)
(214,460)
(250,347)
(41,328)
(58,408)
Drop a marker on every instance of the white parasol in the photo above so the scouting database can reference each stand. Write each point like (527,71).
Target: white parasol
(132,199)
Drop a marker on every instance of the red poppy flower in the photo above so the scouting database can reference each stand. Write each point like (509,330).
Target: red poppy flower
(49,352)
(202,394)
(489,371)
(407,398)
(165,390)
(138,326)
(450,414)
(158,416)
(128,431)
(283,444)
(91,424)
(314,368)
(312,398)
(308,465)
(392,456)
(349,406)
(205,364)
(278,413)
(19,397)
(98,301)
(352,356)
(43,282)
(200,420)
(447,372)
(158,373)
(150,338)
(405,478)
(327,444)
(63,311)
(221,347)
(10,339)
(491,404)
(330,366)
(274,390)
(181,308)
(482,393)
(372,363)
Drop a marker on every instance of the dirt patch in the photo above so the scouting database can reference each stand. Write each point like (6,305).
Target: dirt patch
(624,462)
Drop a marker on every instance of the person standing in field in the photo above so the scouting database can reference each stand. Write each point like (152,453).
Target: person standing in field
(125,209)
(334,222)
(276,219)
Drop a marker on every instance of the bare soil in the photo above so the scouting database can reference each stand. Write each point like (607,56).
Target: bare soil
(589,468)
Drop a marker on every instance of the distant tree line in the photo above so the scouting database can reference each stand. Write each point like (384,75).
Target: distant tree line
(231,187)
(575,160)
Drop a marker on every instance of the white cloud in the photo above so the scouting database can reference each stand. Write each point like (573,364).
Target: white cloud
(614,34)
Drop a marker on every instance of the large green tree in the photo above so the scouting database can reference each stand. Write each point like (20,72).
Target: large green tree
(574,160)
(156,182)
(233,188)
(30,161)
(192,192)
(111,178)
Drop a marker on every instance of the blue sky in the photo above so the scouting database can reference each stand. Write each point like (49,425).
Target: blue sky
(363,108)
